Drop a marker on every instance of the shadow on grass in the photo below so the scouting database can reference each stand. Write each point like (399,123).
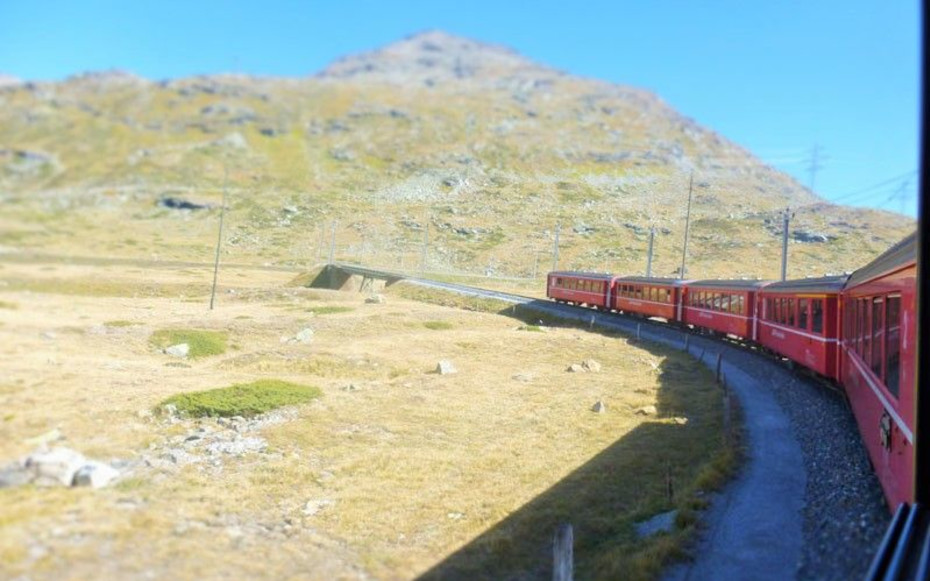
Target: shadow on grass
(604,498)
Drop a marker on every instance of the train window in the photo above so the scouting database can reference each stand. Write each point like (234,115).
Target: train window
(792,316)
(893,344)
(817,316)
(878,330)
(802,314)
(668,295)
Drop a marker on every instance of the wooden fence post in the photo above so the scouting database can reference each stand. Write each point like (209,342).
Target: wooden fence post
(562,558)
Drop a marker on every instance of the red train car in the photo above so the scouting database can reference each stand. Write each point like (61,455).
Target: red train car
(878,355)
(725,306)
(800,320)
(652,297)
(580,288)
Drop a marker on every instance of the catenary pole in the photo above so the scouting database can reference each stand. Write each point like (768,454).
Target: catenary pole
(652,237)
(219,237)
(684,250)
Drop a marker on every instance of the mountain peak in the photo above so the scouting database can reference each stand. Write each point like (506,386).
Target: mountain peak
(431,57)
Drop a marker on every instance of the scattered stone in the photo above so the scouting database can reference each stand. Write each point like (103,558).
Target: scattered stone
(679,421)
(14,475)
(804,236)
(456,515)
(179,350)
(94,474)
(46,438)
(236,447)
(304,336)
(180,204)
(599,407)
(524,377)
(575,368)
(350,387)
(660,523)
(591,365)
(49,335)
(375,299)
(314,506)
(646,410)
(56,466)
(445,367)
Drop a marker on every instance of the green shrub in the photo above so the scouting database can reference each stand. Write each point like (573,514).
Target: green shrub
(201,343)
(438,325)
(244,399)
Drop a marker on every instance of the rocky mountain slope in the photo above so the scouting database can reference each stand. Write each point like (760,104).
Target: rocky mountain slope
(467,145)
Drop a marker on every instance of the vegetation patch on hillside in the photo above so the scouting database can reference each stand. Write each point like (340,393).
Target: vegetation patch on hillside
(329,310)
(438,325)
(120,323)
(201,343)
(244,399)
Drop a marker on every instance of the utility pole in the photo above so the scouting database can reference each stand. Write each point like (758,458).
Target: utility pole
(219,237)
(684,250)
(901,194)
(425,247)
(652,237)
(332,244)
(814,165)
(555,248)
(786,219)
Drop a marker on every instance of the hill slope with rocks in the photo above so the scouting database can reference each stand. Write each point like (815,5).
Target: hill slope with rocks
(467,145)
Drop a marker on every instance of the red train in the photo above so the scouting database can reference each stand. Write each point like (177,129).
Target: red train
(859,331)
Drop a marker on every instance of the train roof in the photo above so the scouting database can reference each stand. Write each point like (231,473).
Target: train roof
(899,255)
(821,284)
(729,284)
(595,275)
(653,280)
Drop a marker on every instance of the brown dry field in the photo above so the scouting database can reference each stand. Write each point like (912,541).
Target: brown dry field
(410,466)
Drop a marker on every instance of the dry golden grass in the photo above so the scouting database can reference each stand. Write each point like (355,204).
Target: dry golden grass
(412,471)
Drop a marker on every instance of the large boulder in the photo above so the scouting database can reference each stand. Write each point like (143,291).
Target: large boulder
(57,466)
(94,474)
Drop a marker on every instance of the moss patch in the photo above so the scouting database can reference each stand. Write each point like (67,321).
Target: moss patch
(201,343)
(438,325)
(244,399)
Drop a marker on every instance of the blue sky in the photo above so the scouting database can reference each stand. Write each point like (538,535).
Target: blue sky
(775,77)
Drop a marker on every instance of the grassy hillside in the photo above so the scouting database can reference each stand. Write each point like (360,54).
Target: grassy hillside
(488,149)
